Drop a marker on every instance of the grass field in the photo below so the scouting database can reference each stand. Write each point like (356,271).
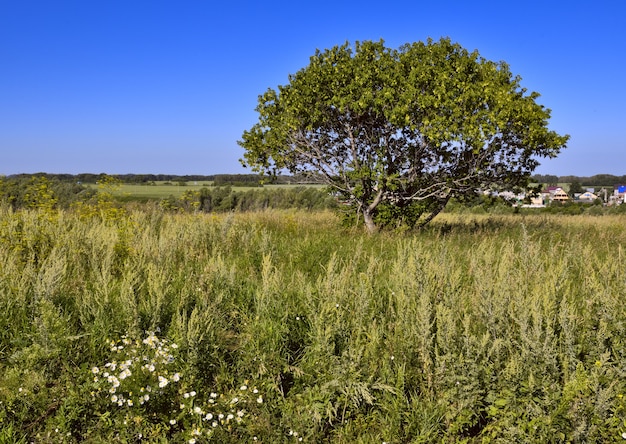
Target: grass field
(282,326)
(162,190)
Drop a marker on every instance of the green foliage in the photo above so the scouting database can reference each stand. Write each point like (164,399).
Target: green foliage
(40,192)
(226,199)
(426,122)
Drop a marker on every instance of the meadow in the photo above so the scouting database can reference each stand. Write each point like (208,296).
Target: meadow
(163,190)
(284,326)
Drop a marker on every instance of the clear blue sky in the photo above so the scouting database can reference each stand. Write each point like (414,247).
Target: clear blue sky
(169,86)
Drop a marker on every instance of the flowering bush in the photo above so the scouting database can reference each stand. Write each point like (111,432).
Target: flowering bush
(146,395)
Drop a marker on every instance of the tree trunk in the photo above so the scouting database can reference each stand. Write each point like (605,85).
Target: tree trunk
(369,221)
(435,212)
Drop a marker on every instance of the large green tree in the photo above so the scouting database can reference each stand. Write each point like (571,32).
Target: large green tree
(397,133)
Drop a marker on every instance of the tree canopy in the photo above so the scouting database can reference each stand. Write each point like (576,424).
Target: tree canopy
(396,133)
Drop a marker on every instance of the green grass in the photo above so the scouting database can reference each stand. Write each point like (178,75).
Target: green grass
(477,329)
(163,190)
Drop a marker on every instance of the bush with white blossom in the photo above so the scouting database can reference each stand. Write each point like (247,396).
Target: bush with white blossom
(146,394)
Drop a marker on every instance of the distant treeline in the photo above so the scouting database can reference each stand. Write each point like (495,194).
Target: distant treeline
(30,191)
(598,180)
(217,179)
(224,199)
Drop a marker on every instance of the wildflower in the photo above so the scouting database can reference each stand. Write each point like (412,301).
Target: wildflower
(172,421)
(259,400)
(192,393)
(95,370)
(235,400)
(255,391)
(114,398)
(213,395)
(192,441)
(162,381)
(243,388)
(130,403)
(175,377)
(214,424)
(208,417)
(624,435)
(197,410)
(240,413)
(230,416)
(125,373)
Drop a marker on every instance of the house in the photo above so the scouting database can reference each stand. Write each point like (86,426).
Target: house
(619,194)
(554,193)
(587,196)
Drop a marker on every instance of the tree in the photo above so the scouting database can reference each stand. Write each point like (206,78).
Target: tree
(397,133)
(575,187)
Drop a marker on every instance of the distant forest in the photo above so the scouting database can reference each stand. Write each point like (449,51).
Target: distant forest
(598,180)
(255,179)
(217,179)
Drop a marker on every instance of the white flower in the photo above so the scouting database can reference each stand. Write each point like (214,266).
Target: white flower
(162,381)
(114,398)
(208,417)
(192,393)
(172,421)
(175,377)
(197,410)
(130,403)
(95,370)
(624,435)
(259,400)
(230,416)
(243,388)
(125,374)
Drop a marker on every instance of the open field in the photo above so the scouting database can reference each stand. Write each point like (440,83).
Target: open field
(164,190)
(146,327)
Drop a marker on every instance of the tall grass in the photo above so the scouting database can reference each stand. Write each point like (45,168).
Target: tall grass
(477,329)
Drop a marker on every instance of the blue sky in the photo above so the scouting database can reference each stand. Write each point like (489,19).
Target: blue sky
(169,86)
